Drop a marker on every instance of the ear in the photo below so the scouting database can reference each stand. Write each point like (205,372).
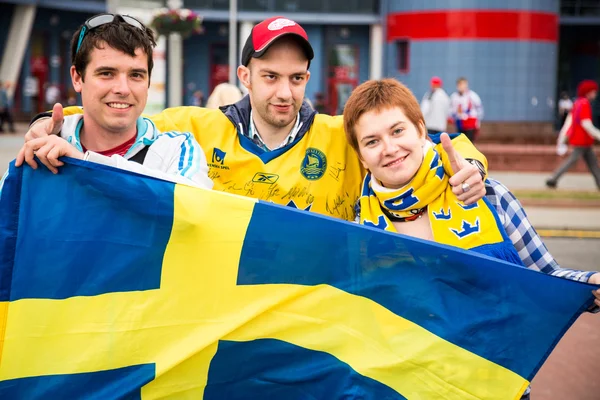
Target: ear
(307,76)
(76,79)
(243,74)
(364,164)
(423,131)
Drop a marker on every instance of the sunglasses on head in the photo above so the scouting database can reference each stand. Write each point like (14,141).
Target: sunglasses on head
(103,19)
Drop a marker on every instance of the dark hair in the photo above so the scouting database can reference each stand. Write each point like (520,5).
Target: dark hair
(117,34)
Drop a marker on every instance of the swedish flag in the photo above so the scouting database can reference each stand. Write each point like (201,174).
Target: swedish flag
(114,285)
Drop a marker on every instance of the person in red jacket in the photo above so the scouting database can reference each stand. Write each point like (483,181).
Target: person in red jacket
(581,132)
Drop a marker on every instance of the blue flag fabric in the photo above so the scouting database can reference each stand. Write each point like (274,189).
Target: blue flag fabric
(116,285)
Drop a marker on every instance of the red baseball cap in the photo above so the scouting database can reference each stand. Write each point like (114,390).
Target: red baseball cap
(436,80)
(585,87)
(264,34)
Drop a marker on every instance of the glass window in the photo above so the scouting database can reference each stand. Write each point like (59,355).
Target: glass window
(299,5)
(207,4)
(403,55)
(352,6)
(253,5)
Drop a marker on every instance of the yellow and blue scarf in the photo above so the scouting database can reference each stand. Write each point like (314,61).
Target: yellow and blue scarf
(475,227)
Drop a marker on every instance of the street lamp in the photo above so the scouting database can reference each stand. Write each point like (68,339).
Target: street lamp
(232,41)
(175,78)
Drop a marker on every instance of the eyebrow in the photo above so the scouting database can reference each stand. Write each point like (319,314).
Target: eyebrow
(270,72)
(104,68)
(140,70)
(112,69)
(395,124)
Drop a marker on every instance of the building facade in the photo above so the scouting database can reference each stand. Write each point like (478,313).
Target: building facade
(517,54)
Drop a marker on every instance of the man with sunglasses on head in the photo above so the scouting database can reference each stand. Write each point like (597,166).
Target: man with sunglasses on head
(111,58)
(272,145)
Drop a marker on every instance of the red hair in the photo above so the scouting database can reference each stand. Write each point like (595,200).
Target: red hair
(380,95)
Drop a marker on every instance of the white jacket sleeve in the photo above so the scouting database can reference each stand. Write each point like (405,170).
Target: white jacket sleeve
(477,105)
(562,135)
(174,156)
(425,104)
(132,166)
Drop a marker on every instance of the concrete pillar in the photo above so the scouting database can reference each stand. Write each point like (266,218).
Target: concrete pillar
(245,29)
(175,69)
(16,45)
(375,51)
(175,66)
(233,45)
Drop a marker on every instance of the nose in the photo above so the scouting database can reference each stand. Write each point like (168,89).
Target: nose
(284,91)
(121,85)
(389,147)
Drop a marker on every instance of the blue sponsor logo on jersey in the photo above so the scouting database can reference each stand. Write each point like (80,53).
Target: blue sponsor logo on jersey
(218,156)
(314,164)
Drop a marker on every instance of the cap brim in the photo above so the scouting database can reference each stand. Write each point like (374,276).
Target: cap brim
(308,50)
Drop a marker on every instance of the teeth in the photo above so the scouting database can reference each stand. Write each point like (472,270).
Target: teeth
(118,105)
(397,161)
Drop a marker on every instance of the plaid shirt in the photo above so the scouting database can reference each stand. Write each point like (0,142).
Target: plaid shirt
(255,136)
(529,245)
(527,242)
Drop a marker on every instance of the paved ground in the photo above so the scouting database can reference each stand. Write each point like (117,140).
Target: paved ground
(536,180)
(571,371)
(549,217)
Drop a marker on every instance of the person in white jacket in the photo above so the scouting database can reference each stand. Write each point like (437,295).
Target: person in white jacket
(113,77)
(466,109)
(434,106)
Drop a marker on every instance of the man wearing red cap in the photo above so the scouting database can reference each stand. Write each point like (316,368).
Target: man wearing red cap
(435,105)
(273,146)
(579,130)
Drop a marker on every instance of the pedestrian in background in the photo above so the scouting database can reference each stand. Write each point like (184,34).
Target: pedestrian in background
(434,106)
(198,98)
(466,109)
(580,132)
(5,109)
(565,105)
(319,104)
(224,94)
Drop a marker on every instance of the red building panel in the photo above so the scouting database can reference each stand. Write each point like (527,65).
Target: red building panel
(473,25)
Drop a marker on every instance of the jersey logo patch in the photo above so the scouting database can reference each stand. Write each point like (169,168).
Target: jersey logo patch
(218,156)
(265,177)
(314,164)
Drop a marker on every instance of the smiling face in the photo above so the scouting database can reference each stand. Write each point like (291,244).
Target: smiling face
(276,83)
(390,146)
(114,90)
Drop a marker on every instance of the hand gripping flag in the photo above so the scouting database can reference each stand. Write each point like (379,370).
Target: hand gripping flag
(115,285)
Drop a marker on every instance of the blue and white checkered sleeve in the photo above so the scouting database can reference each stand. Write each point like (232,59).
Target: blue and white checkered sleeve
(527,242)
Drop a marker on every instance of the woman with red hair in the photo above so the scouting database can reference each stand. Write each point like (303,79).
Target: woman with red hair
(581,132)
